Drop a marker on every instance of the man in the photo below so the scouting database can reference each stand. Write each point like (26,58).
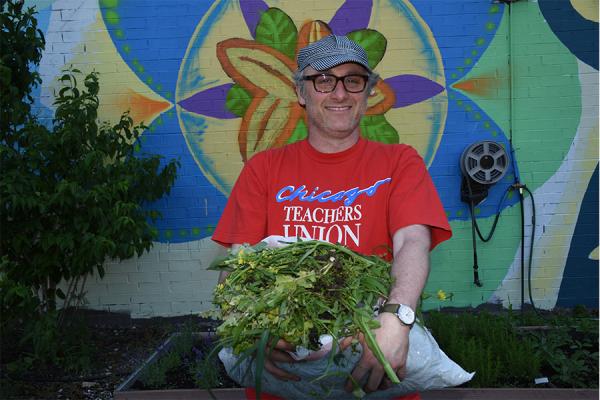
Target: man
(337,186)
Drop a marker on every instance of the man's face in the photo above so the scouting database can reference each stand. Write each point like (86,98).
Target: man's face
(334,115)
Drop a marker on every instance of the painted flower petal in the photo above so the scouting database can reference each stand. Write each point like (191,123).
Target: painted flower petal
(251,11)
(351,16)
(411,89)
(258,68)
(210,102)
(268,122)
(311,32)
(266,73)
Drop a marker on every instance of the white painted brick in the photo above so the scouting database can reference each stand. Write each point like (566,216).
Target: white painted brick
(96,289)
(114,277)
(184,265)
(122,288)
(179,276)
(121,267)
(184,290)
(174,255)
(160,289)
(146,298)
(116,299)
(156,309)
(121,308)
(54,59)
(152,266)
(205,276)
(146,277)
(91,301)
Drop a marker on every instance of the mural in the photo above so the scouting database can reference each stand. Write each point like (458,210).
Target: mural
(212,80)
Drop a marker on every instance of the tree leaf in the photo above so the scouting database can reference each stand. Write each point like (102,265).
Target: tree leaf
(60,294)
(101,272)
(238,100)
(373,42)
(377,128)
(276,29)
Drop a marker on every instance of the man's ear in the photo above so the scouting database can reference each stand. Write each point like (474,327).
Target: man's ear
(301,99)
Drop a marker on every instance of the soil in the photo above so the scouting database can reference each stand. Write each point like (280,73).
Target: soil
(120,345)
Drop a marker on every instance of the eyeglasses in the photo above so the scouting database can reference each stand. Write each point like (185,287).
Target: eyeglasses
(326,83)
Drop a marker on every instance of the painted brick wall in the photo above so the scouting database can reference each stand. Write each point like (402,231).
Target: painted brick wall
(478,71)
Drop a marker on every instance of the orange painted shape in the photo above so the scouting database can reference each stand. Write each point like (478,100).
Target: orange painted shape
(294,114)
(481,86)
(388,98)
(237,76)
(310,32)
(142,108)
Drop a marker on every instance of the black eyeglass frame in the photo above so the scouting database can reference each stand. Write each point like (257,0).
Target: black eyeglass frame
(337,80)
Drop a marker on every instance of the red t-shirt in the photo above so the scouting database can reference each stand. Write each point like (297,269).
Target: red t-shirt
(358,197)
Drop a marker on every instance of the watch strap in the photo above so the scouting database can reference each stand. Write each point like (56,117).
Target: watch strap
(390,307)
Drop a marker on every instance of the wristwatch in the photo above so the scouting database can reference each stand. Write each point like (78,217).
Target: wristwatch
(405,314)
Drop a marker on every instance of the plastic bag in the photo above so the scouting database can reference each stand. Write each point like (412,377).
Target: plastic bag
(427,367)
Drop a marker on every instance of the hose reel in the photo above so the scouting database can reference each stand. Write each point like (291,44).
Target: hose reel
(482,164)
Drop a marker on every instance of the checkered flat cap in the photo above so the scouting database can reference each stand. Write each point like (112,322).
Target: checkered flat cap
(331,51)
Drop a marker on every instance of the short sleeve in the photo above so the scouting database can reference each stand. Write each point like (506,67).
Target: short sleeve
(244,219)
(414,198)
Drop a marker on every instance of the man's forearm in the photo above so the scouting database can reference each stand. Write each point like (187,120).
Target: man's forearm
(410,267)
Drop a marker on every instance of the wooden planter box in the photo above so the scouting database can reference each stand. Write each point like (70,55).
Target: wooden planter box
(444,394)
(122,392)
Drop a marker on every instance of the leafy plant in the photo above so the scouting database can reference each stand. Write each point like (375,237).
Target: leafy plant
(487,344)
(560,347)
(569,351)
(190,359)
(204,367)
(71,194)
(155,376)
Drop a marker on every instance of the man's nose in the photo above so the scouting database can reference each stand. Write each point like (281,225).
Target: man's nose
(339,91)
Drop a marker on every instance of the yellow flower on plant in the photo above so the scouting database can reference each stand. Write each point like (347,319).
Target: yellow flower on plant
(441,295)
(240,257)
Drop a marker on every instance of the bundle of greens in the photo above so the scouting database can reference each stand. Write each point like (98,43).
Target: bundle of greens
(296,293)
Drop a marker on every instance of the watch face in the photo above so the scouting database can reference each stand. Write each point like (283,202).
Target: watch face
(406,314)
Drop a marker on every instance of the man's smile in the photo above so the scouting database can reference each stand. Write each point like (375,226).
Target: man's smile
(338,108)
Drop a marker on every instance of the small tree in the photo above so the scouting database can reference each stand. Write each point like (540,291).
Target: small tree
(71,195)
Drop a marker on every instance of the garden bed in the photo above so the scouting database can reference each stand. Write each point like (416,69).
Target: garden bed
(120,346)
(557,352)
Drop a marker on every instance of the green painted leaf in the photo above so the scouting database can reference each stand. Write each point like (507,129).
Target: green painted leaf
(238,100)
(300,132)
(377,128)
(373,42)
(277,30)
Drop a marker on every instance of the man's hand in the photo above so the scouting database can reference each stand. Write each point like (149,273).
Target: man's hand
(280,354)
(392,338)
